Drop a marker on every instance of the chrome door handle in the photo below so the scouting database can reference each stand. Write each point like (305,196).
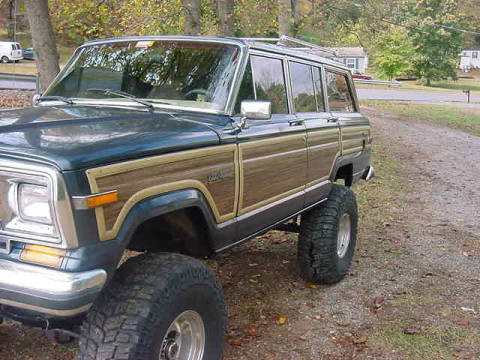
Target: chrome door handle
(332,119)
(296,122)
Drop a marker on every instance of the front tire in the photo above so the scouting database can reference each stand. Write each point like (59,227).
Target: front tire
(160,306)
(328,234)
(5,59)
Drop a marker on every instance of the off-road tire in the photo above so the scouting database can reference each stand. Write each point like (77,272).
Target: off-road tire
(131,317)
(318,257)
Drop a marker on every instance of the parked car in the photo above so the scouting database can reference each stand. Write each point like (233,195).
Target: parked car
(178,148)
(361,76)
(28,54)
(10,51)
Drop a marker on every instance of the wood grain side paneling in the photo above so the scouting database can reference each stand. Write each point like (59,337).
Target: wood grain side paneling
(139,179)
(271,169)
(323,149)
(353,138)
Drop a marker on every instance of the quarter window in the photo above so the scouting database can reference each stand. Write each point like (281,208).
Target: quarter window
(270,82)
(246,91)
(474,54)
(302,86)
(338,92)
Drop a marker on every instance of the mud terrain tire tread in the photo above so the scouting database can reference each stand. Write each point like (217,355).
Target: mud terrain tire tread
(317,245)
(122,322)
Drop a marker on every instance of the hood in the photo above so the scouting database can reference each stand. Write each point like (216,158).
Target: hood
(75,137)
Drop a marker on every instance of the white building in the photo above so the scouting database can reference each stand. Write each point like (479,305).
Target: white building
(470,58)
(354,57)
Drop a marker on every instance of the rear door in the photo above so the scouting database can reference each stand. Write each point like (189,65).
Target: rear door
(322,132)
(272,153)
(16,50)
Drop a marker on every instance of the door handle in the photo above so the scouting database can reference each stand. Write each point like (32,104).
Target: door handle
(296,122)
(332,119)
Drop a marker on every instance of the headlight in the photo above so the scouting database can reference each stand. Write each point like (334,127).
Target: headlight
(31,209)
(34,203)
(35,207)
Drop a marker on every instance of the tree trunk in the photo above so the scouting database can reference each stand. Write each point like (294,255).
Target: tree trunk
(284,17)
(298,10)
(192,16)
(225,17)
(11,19)
(43,40)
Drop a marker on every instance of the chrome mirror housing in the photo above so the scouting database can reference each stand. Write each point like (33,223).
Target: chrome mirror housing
(256,109)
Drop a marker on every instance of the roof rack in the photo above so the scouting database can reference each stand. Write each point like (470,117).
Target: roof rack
(284,40)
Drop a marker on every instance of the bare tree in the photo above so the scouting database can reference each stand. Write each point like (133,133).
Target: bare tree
(225,17)
(192,16)
(285,17)
(43,40)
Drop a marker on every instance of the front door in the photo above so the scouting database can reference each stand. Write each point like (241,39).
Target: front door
(272,154)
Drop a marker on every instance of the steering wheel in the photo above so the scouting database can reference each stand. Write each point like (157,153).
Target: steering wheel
(198,91)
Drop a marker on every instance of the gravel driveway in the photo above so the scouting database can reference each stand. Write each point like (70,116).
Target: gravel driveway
(413,290)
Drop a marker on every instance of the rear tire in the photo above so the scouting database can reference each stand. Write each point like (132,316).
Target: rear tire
(5,59)
(327,238)
(153,301)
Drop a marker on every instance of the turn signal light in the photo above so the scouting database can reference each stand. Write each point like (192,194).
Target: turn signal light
(44,255)
(102,199)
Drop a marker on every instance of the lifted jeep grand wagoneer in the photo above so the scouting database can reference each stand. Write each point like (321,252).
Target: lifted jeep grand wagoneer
(179,148)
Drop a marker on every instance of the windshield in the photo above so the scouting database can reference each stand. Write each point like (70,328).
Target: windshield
(178,73)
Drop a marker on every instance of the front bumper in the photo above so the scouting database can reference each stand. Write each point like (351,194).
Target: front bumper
(49,291)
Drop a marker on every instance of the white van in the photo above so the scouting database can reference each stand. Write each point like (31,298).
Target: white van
(10,51)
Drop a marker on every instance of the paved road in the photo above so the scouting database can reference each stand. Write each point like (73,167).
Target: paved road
(425,96)
(17,82)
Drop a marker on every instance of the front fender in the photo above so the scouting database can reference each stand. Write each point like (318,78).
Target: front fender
(107,254)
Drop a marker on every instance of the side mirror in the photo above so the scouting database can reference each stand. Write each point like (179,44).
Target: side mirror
(34,99)
(256,109)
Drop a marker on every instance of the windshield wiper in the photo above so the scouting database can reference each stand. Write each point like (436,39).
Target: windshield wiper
(123,94)
(55,97)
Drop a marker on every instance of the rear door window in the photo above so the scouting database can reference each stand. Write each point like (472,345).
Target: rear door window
(338,92)
(302,87)
(317,81)
(269,82)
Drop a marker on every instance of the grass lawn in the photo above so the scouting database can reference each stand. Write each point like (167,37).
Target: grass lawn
(451,116)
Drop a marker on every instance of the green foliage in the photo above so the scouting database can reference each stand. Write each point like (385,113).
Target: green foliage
(436,48)
(256,17)
(78,20)
(393,53)
(326,22)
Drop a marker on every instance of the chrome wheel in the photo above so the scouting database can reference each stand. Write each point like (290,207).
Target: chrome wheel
(185,338)
(344,233)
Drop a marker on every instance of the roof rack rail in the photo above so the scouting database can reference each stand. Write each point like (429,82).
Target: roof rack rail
(283,40)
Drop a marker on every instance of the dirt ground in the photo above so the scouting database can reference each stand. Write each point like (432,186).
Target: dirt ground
(412,292)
